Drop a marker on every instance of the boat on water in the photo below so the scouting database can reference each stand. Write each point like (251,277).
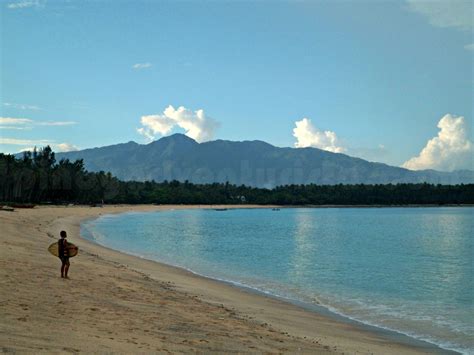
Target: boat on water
(7,209)
(220,209)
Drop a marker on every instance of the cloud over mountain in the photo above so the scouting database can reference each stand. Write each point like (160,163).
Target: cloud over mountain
(66,147)
(196,124)
(308,135)
(451,149)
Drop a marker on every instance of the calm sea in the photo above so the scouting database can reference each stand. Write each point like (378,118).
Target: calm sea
(404,269)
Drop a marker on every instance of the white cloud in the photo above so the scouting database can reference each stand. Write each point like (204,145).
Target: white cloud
(141,66)
(15,121)
(11,123)
(309,136)
(445,13)
(156,124)
(65,147)
(30,143)
(24,4)
(29,149)
(21,106)
(18,128)
(26,123)
(56,123)
(147,133)
(469,47)
(450,150)
(196,124)
(14,141)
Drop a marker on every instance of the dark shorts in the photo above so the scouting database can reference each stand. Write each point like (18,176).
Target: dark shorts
(64,260)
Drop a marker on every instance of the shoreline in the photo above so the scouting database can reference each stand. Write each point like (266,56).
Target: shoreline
(321,310)
(279,322)
(243,206)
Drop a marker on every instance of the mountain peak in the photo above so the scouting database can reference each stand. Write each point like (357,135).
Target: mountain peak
(177,138)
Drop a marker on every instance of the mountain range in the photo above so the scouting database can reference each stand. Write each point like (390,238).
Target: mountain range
(252,163)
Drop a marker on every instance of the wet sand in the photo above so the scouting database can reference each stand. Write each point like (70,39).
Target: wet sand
(118,303)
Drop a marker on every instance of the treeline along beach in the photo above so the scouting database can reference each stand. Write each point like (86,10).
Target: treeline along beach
(38,178)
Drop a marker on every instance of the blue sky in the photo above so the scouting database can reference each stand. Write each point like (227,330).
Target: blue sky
(376,80)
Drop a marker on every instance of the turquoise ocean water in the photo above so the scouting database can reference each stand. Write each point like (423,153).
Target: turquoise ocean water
(404,269)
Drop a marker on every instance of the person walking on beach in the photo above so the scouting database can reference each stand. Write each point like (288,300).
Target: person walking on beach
(63,254)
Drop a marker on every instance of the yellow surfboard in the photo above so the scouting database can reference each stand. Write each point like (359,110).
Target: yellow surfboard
(71,248)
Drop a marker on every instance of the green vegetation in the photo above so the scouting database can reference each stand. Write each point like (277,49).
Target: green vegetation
(38,178)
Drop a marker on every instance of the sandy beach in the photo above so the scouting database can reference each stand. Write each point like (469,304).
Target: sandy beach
(116,303)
